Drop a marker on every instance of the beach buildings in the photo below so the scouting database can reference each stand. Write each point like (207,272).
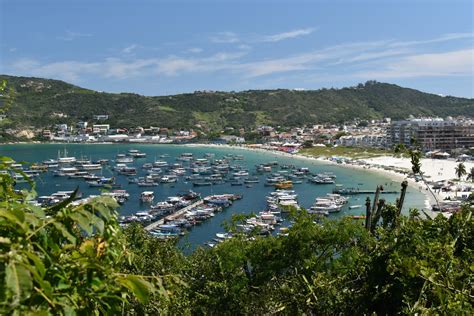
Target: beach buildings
(433,133)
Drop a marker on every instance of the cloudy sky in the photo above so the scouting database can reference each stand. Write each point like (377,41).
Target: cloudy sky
(168,47)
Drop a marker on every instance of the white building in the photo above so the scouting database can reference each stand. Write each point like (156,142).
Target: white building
(100,128)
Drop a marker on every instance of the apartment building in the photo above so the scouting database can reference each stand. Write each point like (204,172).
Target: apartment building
(433,133)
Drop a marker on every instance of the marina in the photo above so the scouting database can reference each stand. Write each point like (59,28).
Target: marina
(168,170)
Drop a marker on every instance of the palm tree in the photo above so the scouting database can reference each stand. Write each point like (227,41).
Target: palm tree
(460,170)
(470,175)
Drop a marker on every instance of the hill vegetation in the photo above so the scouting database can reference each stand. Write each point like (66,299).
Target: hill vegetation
(40,103)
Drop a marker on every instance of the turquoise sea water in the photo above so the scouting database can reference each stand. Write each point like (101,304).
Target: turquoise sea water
(253,198)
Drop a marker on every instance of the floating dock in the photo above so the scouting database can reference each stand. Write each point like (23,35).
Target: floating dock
(174,216)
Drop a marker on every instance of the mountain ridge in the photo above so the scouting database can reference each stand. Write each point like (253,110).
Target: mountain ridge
(40,102)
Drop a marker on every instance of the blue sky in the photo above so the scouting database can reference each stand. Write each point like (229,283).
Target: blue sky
(168,47)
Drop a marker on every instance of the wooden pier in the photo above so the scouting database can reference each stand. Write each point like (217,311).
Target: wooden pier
(174,216)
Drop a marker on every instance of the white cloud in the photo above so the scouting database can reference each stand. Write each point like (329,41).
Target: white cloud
(66,70)
(442,38)
(453,63)
(244,47)
(195,50)
(365,56)
(374,60)
(121,69)
(225,38)
(70,36)
(288,35)
(129,49)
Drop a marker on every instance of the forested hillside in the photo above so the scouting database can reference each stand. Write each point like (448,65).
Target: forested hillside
(37,101)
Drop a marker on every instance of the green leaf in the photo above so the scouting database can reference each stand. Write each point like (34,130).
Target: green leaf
(14,215)
(138,286)
(65,232)
(37,263)
(18,281)
(98,223)
(82,220)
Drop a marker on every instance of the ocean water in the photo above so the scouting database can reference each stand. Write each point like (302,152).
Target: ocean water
(254,198)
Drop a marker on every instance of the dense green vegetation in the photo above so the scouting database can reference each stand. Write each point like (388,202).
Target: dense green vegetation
(37,100)
(337,267)
(64,259)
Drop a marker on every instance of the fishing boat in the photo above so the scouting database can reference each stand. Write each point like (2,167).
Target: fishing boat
(171,178)
(79,174)
(121,158)
(41,168)
(252,180)
(65,159)
(189,195)
(355,206)
(147,196)
(90,166)
(121,196)
(320,180)
(136,153)
(160,164)
(185,157)
(128,171)
(65,171)
(202,183)
(147,184)
(51,163)
(326,205)
(284,185)
(147,165)
(179,171)
(267,169)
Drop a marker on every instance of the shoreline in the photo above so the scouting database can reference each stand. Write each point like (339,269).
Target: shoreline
(369,165)
(429,199)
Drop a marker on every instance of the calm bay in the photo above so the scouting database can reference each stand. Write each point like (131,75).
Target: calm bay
(253,198)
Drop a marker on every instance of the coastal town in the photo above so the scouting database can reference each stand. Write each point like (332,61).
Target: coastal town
(379,145)
(433,134)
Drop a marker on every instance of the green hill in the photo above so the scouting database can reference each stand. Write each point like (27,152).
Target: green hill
(37,100)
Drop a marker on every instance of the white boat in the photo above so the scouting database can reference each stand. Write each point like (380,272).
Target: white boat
(160,164)
(66,160)
(147,196)
(186,157)
(136,153)
(169,179)
(326,205)
(66,171)
(179,171)
(51,163)
(91,166)
(124,160)
(320,180)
